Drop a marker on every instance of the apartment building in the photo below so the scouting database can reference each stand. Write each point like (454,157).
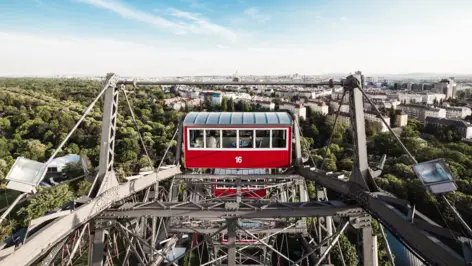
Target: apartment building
(461,127)
(345,119)
(430,98)
(420,112)
(335,105)
(295,108)
(318,107)
(373,117)
(457,112)
(265,104)
(408,98)
(447,87)
(401,119)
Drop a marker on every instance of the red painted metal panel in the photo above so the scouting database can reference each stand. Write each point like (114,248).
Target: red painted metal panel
(239,241)
(237,159)
(245,192)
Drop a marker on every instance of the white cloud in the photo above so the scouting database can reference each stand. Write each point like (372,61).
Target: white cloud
(319,17)
(61,55)
(343,18)
(255,14)
(194,24)
(196,4)
(201,24)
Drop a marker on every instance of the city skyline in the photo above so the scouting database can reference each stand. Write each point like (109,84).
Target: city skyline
(190,37)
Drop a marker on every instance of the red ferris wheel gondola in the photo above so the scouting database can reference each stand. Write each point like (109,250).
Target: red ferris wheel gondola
(238,140)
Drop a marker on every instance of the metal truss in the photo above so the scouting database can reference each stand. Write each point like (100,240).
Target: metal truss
(214,210)
(140,222)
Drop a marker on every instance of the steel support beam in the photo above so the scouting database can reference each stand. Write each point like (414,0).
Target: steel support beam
(360,171)
(104,179)
(360,168)
(415,239)
(298,147)
(97,248)
(290,210)
(206,230)
(226,82)
(60,228)
(232,223)
(180,135)
(324,225)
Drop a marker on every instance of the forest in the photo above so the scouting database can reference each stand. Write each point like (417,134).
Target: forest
(37,114)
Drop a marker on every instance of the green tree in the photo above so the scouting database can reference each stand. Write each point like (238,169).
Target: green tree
(372,128)
(3,170)
(84,188)
(73,170)
(403,171)
(311,189)
(345,164)
(32,149)
(305,144)
(230,105)
(144,161)
(207,104)
(349,253)
(44,202)
(330,165)
(5,125)
(6,230)
(384,143)
(224,104)
(314,130)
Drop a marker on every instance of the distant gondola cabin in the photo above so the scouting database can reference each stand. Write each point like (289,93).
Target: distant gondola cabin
(237,140)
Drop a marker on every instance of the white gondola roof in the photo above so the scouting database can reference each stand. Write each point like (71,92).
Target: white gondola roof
(62,161)
(238,118)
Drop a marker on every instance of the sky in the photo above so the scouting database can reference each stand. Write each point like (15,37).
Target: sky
(222,37)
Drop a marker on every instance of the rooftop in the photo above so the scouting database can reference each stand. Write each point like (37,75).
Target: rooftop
(238,118)
(447,122)
(422,106)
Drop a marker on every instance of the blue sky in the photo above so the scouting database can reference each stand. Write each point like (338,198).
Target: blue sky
(198,37)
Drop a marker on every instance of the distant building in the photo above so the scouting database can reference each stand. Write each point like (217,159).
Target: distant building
(321,93)
(377,95)
(318,107)
(380,103)
(345,119)
(265,104)
(175,103)
(296,109)
(447,87)
(463,128)
(391,104)
(335,105)
(420,112)
(457,112)
(373,117)
(238,96)
(430,98)
(408,98)
(193,102)
(216,98)
(401,119)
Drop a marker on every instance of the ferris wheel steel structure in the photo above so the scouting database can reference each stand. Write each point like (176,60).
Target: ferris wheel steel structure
(145,222)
